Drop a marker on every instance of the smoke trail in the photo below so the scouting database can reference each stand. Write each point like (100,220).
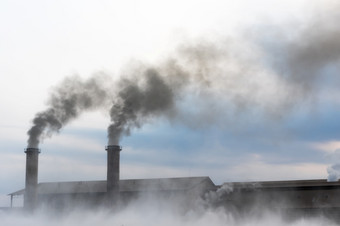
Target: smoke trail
(202,82)
(201,70)
(69,99)
(234,76)
(139,98)
(302,55)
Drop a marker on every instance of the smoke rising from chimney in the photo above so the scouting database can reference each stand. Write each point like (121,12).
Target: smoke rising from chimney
(140,97)
(231,74)
(67,101)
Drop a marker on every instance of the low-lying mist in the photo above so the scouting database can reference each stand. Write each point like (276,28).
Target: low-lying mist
(152,210)
(153,215)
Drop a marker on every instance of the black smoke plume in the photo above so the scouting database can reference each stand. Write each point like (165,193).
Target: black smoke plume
(67,101)
(139,99)
(268,72)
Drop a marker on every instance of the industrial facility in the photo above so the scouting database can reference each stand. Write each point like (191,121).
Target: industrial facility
(303,196)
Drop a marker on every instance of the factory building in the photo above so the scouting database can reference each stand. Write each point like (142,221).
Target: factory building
(308,196)
(109,192)
(94,193)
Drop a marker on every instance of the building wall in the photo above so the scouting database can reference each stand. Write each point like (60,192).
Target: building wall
(291,199)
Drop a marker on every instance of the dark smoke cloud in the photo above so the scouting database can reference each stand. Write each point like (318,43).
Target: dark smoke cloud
(235,76)
(204,81)
(67,101)
(140,98)
(302,54)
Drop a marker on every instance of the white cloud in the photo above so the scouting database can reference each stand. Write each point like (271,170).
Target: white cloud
(327,146)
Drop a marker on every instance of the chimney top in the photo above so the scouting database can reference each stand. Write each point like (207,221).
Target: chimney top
(113,148)
(32,150)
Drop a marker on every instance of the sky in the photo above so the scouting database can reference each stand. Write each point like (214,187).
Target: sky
(258,99)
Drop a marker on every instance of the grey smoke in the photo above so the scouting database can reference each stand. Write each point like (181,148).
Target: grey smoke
(67,101)
(139,99)
(204,81)
(217,196)
(334,169)
(228,77)
(333,172)
(302,54)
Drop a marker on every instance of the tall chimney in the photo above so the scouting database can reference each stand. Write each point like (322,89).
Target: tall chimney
(31,183)
(113,153)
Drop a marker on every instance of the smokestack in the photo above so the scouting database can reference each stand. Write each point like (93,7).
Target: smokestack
(31,183)
(113,153)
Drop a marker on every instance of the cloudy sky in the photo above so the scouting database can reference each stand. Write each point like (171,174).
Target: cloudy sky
(257,98)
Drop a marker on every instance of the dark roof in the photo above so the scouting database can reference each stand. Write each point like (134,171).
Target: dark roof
(284,184)
(135,185)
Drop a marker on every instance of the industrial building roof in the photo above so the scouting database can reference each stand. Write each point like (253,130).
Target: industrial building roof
(133,185)
(294,184)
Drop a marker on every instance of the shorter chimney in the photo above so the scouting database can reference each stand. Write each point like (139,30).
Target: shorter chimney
(31,183)
(113,153)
